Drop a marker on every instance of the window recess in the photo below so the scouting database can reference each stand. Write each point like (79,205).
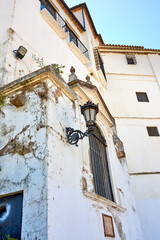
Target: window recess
(131,59)
(152,131)
(142,97)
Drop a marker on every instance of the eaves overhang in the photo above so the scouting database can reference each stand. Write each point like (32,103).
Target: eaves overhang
(111,48)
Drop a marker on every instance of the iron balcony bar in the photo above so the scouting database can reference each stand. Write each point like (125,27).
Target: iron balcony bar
(61,22)
(73,38)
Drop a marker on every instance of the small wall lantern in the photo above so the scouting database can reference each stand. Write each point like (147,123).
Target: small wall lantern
(21,52)
(89,110)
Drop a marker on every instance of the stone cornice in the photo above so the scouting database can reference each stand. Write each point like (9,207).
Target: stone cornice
(37,77)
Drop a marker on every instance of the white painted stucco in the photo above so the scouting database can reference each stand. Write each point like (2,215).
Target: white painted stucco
(51,173)
(132,118)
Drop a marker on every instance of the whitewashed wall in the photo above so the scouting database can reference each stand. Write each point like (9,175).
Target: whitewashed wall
(66,211)
(31,33)
(23,160)
(132,118)
(50,172)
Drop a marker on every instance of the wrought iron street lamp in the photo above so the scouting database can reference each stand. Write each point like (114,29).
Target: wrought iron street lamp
(21,52)
(89,110)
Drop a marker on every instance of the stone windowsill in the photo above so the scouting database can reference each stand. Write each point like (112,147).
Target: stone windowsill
(52,22)
(104,201)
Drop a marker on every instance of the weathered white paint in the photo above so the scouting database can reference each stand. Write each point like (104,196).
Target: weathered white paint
(51,175)
(22,171)
(59,169)
(132,118)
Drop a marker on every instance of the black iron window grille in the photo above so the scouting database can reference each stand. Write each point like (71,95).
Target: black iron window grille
(61,22)
(46,4)
(73,38)
(100,169)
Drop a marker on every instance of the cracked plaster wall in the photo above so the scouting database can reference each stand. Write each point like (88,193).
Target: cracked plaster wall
(75,216)
(36,159)
(23,158)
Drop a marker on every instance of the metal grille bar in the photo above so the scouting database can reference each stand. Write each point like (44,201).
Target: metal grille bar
(100,168)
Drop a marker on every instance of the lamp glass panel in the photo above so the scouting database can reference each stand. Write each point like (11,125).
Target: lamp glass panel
(92,114)
(87,114)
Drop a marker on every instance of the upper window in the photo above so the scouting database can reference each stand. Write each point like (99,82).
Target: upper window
(152,131)
(131,59)
(100,169)
(142,97)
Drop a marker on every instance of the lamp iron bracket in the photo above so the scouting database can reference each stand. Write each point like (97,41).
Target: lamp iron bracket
(73,136)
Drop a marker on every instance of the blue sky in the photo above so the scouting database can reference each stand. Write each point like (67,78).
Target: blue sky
(128,22)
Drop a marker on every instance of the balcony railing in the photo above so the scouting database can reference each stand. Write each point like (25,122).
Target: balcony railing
(72,37)
(46,4)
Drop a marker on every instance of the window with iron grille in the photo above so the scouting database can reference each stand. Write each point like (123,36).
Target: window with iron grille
(142,97)
(152,131)
(100,169)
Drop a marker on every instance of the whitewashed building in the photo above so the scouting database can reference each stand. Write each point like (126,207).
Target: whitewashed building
(50,189)
(133,96)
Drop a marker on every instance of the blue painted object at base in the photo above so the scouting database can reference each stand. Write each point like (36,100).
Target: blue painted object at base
(11,216)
